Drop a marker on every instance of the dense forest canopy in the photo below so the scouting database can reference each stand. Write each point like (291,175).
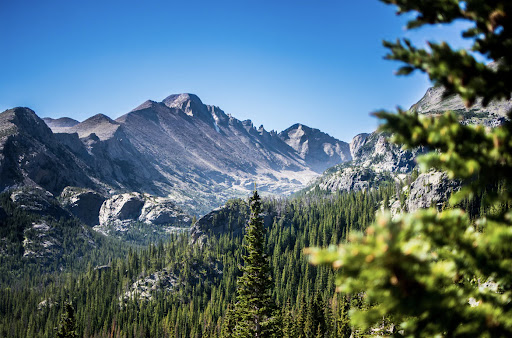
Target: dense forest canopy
(176,288)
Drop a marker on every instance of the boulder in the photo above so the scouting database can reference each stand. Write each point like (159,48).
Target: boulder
(144,208)
(85,204)
(123,207)
(430,189)
(159,210)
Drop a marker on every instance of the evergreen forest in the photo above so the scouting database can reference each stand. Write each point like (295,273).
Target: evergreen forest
(195,285)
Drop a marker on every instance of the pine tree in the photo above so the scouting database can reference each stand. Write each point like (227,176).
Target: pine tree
(67,324)
(254,305)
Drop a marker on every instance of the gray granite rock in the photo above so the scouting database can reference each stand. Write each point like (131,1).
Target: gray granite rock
(85,204)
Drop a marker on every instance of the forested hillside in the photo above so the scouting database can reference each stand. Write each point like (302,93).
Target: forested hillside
(184,290)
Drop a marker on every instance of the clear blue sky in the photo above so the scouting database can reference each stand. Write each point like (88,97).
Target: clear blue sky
(274,62)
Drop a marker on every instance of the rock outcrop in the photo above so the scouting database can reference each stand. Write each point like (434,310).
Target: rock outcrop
(351,179)
(84,204)
(435,102)
(430,189)
(124,209)
(38,201)
(158,211)
(357,142)
(41,242)
(121,208)
(374,160)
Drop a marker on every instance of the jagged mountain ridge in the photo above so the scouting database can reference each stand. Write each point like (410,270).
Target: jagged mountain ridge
(180,148)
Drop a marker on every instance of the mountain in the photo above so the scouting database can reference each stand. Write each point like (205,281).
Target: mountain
(435,101)
(61,124)
(31,155)
(179,148)
(317,148)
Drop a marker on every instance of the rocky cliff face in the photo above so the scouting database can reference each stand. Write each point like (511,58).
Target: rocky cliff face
(430,189)
(85,204)
(160,211)
(375,160)
(123,209)
(38,201)
(357,142)
(31,155)
(435,101)
(376,153)
(351,178)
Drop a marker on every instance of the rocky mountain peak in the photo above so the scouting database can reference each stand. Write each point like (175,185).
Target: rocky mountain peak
(357,142)
(189,103)
(148,104)
(436,101)
(180,148)
(98,118)
(101,125)
(299,126)
(26,121)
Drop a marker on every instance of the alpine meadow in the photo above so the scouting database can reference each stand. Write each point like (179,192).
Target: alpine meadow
(177,219)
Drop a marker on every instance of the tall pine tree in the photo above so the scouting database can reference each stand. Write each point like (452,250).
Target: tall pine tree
(255,306)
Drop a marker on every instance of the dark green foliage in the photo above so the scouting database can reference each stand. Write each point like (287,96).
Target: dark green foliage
(142,234)
(67,323)
(205,277)
(254,306)
(444,273)
(76,246)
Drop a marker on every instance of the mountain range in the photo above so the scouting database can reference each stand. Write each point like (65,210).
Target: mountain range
(180,148)
(197,157)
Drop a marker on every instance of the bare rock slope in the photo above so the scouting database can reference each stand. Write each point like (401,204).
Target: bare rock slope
(318,149)
(194,154)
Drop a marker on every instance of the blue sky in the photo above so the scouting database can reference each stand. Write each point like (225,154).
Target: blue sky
(274,62)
